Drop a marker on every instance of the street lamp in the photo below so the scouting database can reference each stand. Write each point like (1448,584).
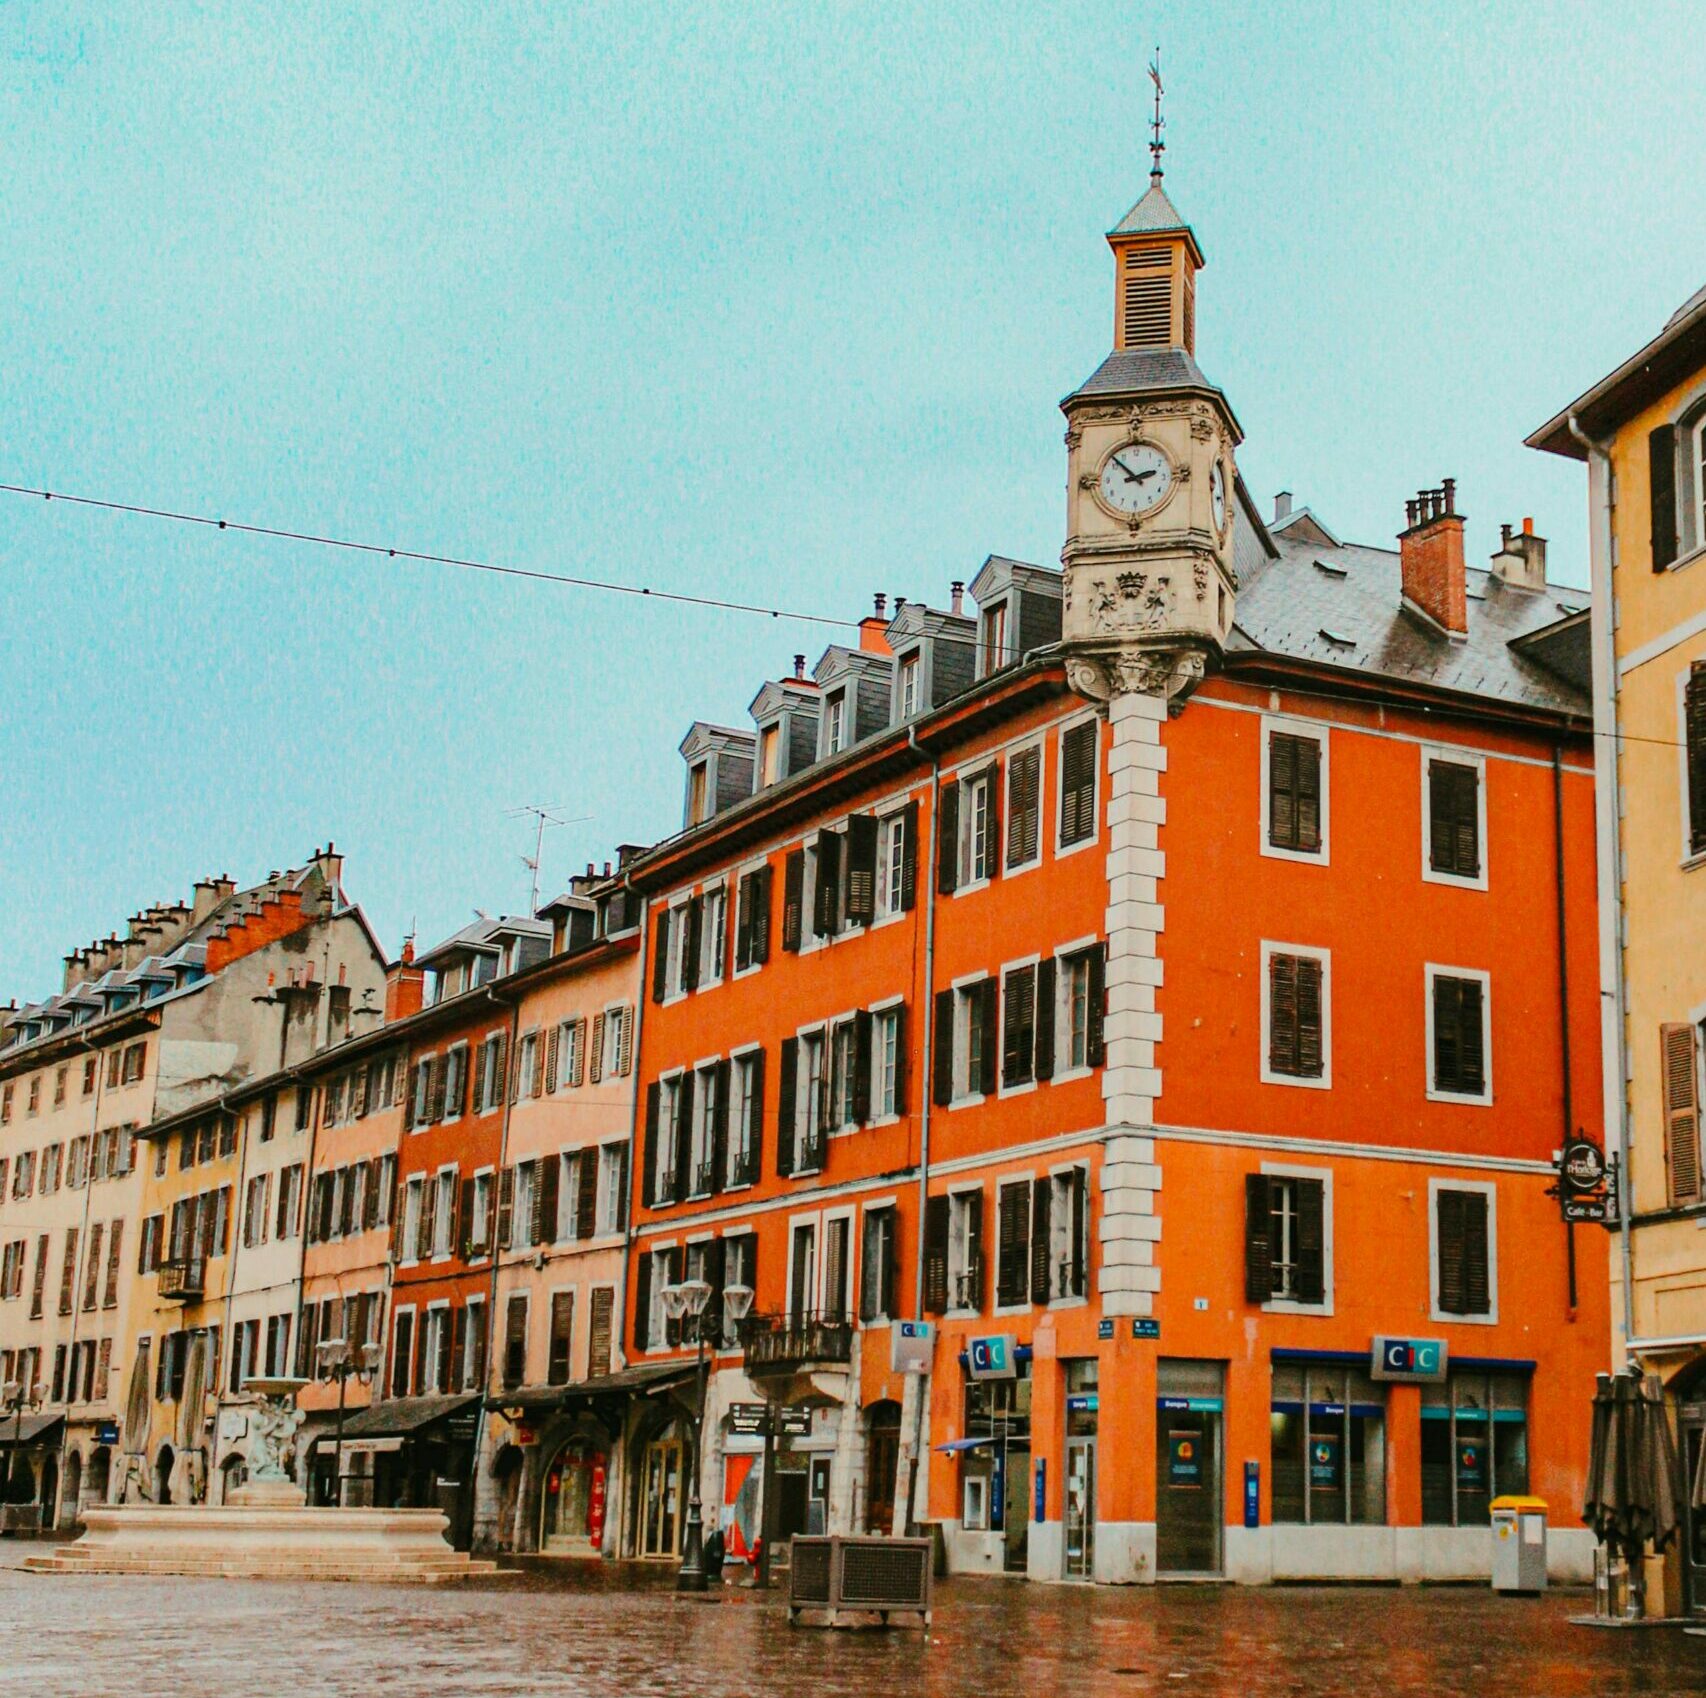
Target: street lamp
(683,1302)
(15,1397)
(337,1358)
(737,1305)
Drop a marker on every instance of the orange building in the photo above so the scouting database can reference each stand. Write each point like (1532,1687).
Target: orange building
(1120,1038)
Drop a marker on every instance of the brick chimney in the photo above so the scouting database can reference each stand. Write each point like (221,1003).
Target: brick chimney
(405,985)
(1431,550)
(1521,560)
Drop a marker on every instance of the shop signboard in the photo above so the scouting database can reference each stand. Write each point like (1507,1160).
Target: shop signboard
(748,1420)
(911,1344)
(991,1358)
(1082,1403)
(1413,1360)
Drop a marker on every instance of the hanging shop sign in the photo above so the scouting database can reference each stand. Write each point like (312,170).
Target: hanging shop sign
(1416,1360)
(992,1358)
(911,1345)
(1586,1187)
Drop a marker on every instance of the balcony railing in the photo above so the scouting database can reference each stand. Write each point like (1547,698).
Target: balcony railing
(792,1344)
(183,1277)
(704,1177)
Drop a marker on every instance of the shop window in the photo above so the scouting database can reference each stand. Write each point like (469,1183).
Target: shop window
(1328,1436)
(1474,1445)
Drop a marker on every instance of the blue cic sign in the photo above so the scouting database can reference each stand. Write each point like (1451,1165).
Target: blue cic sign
(1413,1359)
(991,1358)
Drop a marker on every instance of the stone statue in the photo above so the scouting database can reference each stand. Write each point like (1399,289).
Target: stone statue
(272,1437)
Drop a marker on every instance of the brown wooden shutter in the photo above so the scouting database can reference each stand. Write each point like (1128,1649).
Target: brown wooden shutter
(1019,1027)
(755,1153)
(1449,1244)
(660,956)
(902,1074)
(1078,751)
(720,1126)
(1661,467)
(429,1214)
(985,1012)
(826,890)
(1678,1072)
(793,899)
(1694,736)
(553,1047)
(972,1297)
(463,1244)
(598,1337)
(1095,1046)
(1078,1191)
(1309,1269)
(68,1274)
(942,1062)
(506,1209)
(648,1179)
(595,1050)
(862,1029)
(586,1195)
(681,1140)
(1309,1021)
(992,820)
(789,1074)
(937,1212)
(759,945)
(562,1337)
(1013,1241)
(1477,1293)
(861,869)
(909,858)
(948,838)
(1258,1239)
(1024,789)
(1044,1049)
(515,1339)
(692,943)
(1454,819)
(109,1298)
(743,921)
(1042,1272)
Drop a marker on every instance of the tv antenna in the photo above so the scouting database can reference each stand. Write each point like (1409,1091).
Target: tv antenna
(546,815)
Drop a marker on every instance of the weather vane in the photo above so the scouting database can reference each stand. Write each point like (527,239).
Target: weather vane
(1157,147)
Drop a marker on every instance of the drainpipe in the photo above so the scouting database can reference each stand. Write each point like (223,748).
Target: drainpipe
(619,1320)
(511,1062)
(1611,858)
(925,1102)
(88,1196)
(1563,996)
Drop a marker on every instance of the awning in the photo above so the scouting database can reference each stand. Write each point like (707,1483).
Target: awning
(965,1444)
(33,1429)
(646,1377)
(403,1417)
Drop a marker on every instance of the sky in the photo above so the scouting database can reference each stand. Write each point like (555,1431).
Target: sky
(762,302)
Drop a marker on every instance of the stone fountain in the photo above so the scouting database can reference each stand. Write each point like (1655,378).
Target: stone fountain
(266,1530)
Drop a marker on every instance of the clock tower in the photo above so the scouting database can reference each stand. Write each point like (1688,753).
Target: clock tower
(1149,440)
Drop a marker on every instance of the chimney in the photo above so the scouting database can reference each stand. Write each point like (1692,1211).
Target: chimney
(957,603)
(874,635)
(899,605)
(799,666)
(1521,559)
(1431,551)
(330,863)
(1282,506)
(405,985)
(882,602)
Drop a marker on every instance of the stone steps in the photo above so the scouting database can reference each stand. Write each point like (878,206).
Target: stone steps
(431,1570)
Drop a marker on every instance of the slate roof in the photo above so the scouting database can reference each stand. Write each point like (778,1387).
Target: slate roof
(1342,606)
(1154,370)
(1154,212)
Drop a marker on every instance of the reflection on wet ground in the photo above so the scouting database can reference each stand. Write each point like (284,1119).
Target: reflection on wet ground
(620,1631)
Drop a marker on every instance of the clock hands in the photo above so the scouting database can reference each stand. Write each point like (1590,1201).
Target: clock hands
(1131,476)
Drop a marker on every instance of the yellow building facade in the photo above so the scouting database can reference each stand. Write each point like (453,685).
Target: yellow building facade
(1641,431)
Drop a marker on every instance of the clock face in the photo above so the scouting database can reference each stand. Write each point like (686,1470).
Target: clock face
(1217,495)
(1136,478)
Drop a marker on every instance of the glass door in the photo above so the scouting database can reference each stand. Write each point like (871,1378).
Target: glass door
(661,1512)
(1080,1508)
(1693,1432)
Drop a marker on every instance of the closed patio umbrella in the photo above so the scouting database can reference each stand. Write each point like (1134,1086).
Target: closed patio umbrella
(1632,1496)
(136,1404)
(191,1414)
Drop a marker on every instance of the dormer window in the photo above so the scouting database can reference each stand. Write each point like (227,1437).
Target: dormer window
(696,792)
(992,639)
(485,968)
(769,754)
(835,726)
(909,669)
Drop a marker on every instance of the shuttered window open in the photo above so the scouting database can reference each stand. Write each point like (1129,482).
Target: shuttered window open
(1294,793)
(1024,806)
(1694,734)
(1013,1245)
(1661,468)
(1078,783)
(793,899)
(1679,1075)
(1454,819)
(936,1225)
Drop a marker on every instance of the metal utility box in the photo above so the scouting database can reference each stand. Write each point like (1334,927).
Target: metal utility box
(1519,1544)
(850,1578)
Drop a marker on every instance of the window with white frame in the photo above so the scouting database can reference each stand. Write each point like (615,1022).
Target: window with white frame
(1294,789)
(1288,1237)
(612,1187)
(965,1251)
(810,1115)
(412,1195)
(745,1124)
(672,1142)
(1296,994)
(909,686)
(521,1216)
(885,1063)
(1080,754)
(1454,802)
(713,937)
(455,1081)
(740,1267)
(892,851)
(976,847)
(835,722)
(479,1226)
(702,1177)
(842,1064)
(974,1039)
(1459,1033)
(675,979)
(1463,1249)
(491,1073)
(444,1214)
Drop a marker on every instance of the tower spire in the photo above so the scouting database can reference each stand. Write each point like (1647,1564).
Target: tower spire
(1157,147)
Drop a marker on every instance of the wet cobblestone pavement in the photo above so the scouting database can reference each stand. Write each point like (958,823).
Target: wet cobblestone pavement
(621,1633)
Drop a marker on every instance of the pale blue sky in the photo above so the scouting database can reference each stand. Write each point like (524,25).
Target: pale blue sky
(756,301)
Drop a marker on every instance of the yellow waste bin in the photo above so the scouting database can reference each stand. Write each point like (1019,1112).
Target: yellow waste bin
(1519,1545)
